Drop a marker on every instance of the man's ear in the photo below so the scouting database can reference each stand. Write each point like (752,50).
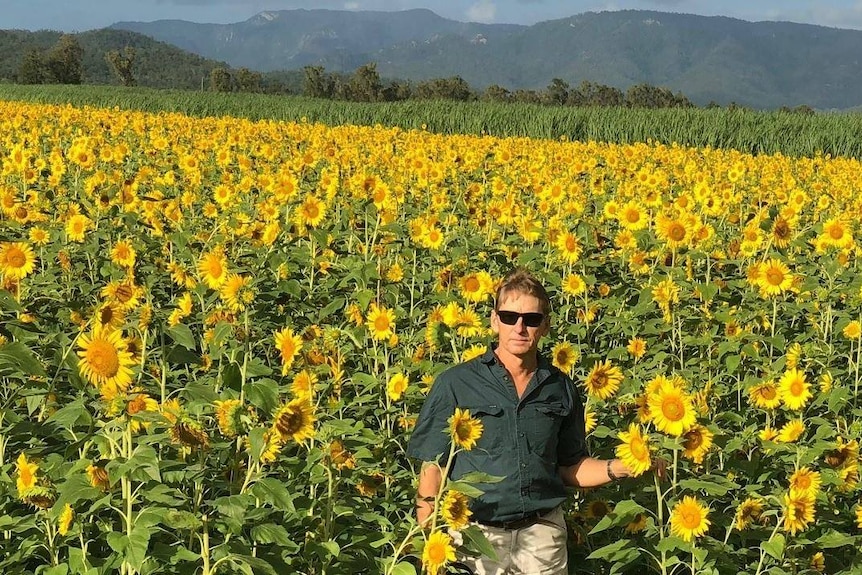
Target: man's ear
(495,322)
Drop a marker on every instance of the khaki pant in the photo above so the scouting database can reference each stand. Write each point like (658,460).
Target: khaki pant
(539,549)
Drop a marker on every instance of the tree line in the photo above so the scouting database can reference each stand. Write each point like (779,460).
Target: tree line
(63,64)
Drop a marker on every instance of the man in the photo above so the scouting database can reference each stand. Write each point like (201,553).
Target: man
(533,436)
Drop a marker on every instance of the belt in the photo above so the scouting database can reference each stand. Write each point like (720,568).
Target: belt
(526,521)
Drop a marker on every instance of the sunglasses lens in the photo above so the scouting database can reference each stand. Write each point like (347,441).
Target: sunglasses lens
(531,319)
(508,317)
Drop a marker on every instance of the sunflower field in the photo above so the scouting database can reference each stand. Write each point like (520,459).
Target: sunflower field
(217,333)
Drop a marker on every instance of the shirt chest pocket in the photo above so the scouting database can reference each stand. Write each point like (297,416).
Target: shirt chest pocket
(543,423)
(493,427)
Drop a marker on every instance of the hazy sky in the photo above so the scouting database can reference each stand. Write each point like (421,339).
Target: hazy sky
(80,15)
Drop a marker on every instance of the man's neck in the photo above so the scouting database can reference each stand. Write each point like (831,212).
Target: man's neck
(518,365)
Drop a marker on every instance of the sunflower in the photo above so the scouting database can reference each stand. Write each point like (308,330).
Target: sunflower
(671,409)
(77,227)
(437,552)
(793,355)
(455,510)
(380,322)
(432,237)
(26,475)
(64,522)
(781,232)
(748,512)
(288,345)
(836,233)
(804,481)
(477,286)
(123,254)
(675,232)
(573,285)
(39,236)
(396,386)
(791,431)
(636,347)
(464,430)
(212,268)
(569,247)
(798,511)
(98,477)
(110,316)
(603,380)
(140,402)
(852,330)
(17,260)
(774,278)
(636,525)
(564,356)
(590,420)
(236,292)
(795,391)
(105,361)
(303,384)
(634,450)
(598,508)
(632,216)
(295,420)
(189,433)
(125,293)
(340,457)
(859,516)
(311,212)
(696,442)
(689,518)
(473,352)
(229,414)
(765,395)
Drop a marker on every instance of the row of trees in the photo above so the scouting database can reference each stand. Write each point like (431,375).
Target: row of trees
(64,64)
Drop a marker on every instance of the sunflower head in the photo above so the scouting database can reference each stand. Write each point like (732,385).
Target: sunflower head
(464,430)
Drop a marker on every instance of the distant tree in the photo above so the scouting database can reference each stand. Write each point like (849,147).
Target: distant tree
(397,91)
(248,80)
(454,88)
(317,83)
(65,60)
(495,93)
(121,65)
(590,94)
(220,80)
(557,92)
(527,96)
(647,96)
(32,69)
(364,85)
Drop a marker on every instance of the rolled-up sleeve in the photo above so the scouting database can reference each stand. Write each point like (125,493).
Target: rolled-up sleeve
(430,440)
(572,446)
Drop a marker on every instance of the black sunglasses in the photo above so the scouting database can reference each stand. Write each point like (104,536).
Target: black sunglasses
(531,318)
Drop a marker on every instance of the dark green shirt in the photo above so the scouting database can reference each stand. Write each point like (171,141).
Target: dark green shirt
(524,440)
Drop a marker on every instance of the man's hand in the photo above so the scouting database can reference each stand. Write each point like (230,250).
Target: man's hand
(659,467)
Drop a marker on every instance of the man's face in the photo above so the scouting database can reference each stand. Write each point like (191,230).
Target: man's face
(518,339)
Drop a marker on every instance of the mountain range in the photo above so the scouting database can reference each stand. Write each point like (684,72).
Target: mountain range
(708,59)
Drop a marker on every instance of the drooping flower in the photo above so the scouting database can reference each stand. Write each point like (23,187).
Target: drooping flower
(464,429)
(438,552)
(295,420)
(455,509)
(748,512)
(26,475)
(564,356)
(634,450)
(696,443)
(228,415)
(396,386)
(603,380)
(689,518)
(98,477)
(288,345)
(798,511)
(65,520)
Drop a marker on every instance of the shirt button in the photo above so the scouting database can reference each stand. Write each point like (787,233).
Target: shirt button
(523,465)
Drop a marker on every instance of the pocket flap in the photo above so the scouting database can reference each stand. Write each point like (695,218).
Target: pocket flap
(480,410)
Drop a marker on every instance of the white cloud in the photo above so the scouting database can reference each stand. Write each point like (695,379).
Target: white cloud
(482,11)
(352,6)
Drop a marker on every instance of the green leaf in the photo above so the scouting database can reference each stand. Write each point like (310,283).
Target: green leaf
(257,565)
(613,551)
(480,477)
(144,464)
(832,539)
(477,541)
(334,306)
(465,488)
(256,442)
(8,303)
(274,492)
(182,335)
(623,512)
(272,533)
(710,484)
(19,358)
(774,547)
(61,569)
(178,519)
(220,333)
(74,489)
(404,568)
(262,393)
(72,414)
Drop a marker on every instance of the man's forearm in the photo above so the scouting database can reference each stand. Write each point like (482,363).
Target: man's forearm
(430,478)
(591,472)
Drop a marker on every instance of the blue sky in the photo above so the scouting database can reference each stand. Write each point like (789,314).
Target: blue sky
(80,15)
